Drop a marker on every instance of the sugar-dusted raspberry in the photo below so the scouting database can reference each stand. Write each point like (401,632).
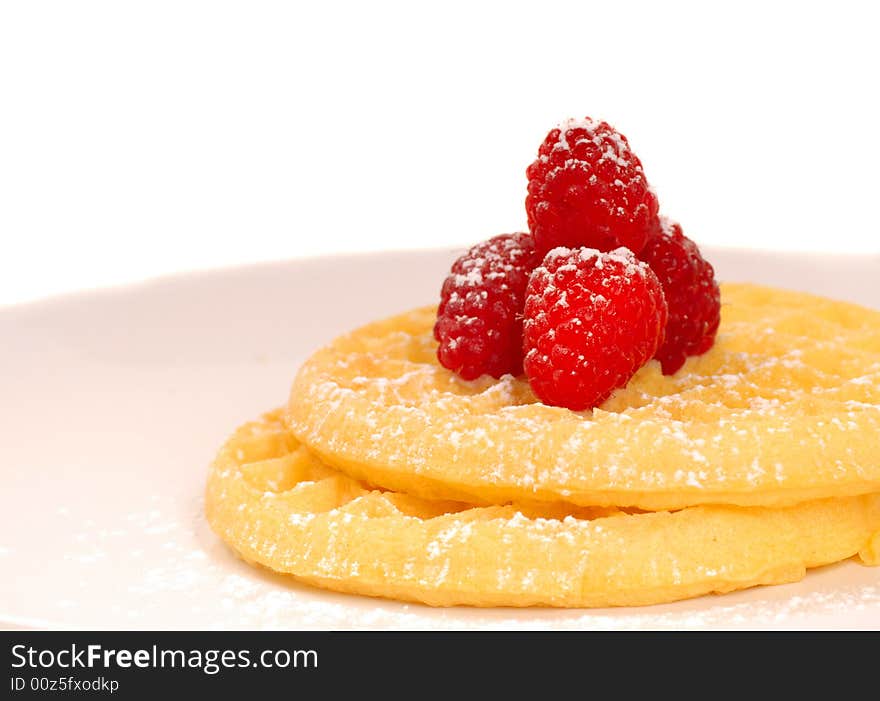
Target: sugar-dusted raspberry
(587,188)
(691,291)
(592,320)
(479,321)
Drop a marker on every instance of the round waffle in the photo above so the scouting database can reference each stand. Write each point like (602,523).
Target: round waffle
(784,408)
(280,507)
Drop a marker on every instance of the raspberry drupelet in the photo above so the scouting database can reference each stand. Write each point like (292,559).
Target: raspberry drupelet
(592,319)
(692,295)
(479,320)
(587,188)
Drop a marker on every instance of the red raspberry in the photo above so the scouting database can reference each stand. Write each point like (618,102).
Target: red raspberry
(591,321)
(691,291)
(587,188)
(479,321)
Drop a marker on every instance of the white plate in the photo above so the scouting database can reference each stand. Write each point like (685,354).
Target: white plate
(114,402)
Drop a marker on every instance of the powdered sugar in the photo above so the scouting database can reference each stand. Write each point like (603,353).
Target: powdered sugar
(615,147)
(622,256)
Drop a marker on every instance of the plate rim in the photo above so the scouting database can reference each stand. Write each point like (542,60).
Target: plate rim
(81,294)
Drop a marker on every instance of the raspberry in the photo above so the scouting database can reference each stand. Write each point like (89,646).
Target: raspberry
(479,321)
(592,320)
(691,291)
(587,188)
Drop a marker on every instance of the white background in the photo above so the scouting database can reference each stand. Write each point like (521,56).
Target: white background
(139,139)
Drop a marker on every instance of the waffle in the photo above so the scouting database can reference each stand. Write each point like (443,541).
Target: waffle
(785,408)
(280,507)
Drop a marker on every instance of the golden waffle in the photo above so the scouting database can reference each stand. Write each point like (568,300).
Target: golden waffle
(281,508)
(784,408)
